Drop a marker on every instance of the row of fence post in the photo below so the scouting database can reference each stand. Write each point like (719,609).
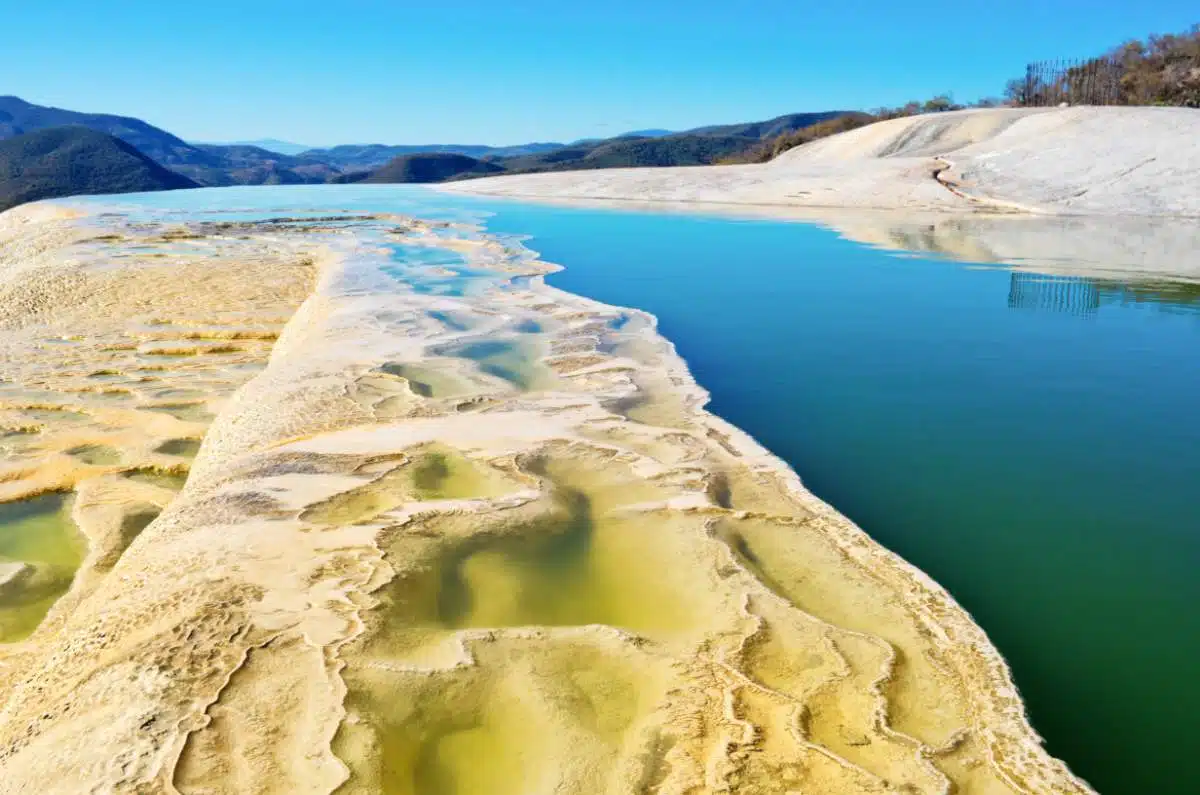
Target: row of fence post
(1096,81)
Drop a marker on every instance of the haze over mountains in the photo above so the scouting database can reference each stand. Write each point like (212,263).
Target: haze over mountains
(263,162)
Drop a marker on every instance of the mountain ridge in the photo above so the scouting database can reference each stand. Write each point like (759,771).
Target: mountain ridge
(73,161)
(365,156)
(156,143)
(425,167)
(247,163)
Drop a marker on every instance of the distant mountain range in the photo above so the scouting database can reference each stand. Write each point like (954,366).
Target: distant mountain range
(357,157)
(205,164)
(702,146)
(424,167)
(264,162)
(74,161)
(270,144)
(18,116)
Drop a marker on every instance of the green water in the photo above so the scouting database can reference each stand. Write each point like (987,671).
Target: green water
(187,448)
(167,480)
(580,566)
(96,454)
(188,412)
(504,359)
(38,533)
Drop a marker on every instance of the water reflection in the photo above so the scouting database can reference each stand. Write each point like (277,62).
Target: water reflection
(1072,295)
(1107,249)
(1176,297)
(1083,296)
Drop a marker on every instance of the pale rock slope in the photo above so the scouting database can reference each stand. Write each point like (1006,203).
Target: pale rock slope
(1070,161)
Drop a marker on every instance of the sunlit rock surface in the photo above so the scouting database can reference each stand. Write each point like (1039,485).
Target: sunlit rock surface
(1111,161)
(464,533)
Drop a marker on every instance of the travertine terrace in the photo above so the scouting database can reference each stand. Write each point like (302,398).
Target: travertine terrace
(464,533)
(1099,161)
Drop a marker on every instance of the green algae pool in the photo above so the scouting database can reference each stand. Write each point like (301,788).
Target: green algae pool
(38,535)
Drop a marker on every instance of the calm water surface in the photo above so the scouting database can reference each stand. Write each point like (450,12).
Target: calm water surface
(1029,442)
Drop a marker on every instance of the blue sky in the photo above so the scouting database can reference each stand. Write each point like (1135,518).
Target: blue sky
(467,71)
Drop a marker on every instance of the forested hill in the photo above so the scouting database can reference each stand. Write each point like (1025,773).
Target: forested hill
(424,167)
(699,147)
(204,164)
(72,161)
(18,116)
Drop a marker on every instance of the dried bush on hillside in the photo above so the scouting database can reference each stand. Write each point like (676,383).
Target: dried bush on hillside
(1163,70)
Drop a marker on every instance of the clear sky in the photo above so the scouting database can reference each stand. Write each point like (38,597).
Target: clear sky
(470,71)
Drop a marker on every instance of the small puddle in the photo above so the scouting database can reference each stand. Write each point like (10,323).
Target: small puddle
(552,713)
(449,321)
(40,550)
(188,412)
(179,395)
(153,357)
(107,395)
(511,361)
(571,569)
(534,717)
(166,480)
(574,560)
(434,473)
(181,447)
(54,415)
(14,441)
(96,454)
(426,381)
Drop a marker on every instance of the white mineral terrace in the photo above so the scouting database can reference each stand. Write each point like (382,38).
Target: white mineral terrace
(458,540)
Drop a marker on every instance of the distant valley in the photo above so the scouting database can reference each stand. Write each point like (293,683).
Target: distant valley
(265,161)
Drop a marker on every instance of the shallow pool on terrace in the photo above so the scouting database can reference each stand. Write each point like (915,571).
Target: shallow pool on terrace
(40,549)
(1027,440)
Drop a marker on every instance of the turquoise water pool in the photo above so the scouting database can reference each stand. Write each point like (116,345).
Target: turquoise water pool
(1027,440)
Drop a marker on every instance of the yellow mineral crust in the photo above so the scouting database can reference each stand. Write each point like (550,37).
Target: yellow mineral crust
(447,544)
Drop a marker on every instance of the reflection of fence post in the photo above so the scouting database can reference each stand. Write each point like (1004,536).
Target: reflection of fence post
(1072,295)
